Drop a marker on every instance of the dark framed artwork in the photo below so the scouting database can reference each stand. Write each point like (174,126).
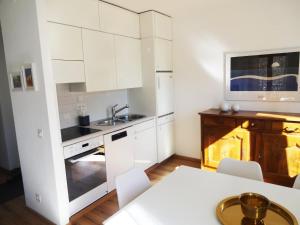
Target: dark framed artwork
(266,75)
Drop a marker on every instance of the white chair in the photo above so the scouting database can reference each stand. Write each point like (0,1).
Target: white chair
(130,185)
(297,182)
(247,169)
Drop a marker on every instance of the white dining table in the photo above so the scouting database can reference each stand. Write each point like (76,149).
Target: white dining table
(189,196)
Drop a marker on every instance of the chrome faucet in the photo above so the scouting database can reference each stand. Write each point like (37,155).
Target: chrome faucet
(115,111)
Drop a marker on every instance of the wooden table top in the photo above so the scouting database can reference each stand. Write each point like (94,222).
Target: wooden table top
(280,116)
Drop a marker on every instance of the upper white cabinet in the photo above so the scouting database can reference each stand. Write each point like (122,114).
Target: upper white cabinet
(116,20)
(128,60)
(68,71)
(99,61)
(163,55)
(65,42)
(81,13)
(154,24)
(163,26)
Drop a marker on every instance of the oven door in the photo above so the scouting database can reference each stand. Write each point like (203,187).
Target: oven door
(85,172)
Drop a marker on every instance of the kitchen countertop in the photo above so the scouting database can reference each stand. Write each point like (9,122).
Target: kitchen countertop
(105,130)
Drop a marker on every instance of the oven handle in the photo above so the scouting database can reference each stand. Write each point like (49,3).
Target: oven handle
(83,155)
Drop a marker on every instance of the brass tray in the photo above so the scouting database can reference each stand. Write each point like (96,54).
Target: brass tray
(229,213)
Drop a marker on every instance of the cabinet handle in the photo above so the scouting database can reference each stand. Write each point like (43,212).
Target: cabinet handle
(252,124)
(158,82)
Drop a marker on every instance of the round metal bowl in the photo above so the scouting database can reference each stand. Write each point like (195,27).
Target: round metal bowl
(254,206)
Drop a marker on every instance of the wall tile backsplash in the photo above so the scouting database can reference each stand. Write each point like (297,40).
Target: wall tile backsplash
(97,104)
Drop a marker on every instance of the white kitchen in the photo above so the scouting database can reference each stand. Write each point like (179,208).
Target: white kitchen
(105,93)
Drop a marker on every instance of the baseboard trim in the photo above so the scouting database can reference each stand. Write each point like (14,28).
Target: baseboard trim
(187,158)
(92,206)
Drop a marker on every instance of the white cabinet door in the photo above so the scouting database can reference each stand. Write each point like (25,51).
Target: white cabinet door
(119,21)
(163,26)
(99,60)
(81,13)
(165,138)
(145,148)
(163,55)
(68,71)
(119,154)
(65,42)
(164,94)
(129,62)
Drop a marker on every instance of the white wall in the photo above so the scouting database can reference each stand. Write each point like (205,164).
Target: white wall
(98,104)
(24,35)
(9,157)
(203,31)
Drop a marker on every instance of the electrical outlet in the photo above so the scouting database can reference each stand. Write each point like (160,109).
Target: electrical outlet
(40,133)
(38,198)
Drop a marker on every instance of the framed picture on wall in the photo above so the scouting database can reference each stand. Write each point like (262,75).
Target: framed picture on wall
(29,76)
(16,81)
(263,75)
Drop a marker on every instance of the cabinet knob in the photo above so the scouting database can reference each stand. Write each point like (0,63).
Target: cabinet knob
(252,125)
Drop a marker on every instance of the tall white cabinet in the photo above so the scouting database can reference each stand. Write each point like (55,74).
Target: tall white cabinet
(156,96)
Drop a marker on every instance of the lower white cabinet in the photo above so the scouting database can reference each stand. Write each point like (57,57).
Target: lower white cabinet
(145,147)
(165,137)
(119,154)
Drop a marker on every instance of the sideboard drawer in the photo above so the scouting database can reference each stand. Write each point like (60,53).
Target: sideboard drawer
(219,121)
(253,124)
(286,127)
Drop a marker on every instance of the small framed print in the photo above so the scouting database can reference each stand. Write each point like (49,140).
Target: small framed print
(16,81)
(28,72)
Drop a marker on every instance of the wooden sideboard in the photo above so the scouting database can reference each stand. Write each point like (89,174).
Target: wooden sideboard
(271,139)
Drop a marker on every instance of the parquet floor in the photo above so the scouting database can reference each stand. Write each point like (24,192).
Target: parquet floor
(15,212)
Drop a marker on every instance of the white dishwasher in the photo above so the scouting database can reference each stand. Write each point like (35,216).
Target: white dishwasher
(119,154)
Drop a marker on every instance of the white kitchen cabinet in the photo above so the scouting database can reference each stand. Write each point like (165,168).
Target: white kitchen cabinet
(68,71)
(119,154)
(157,25)
(163,26)
(117,20)
(145,147)
(128,60)
(165,137)
(165,93)
(80,13)
(163,55)
(65,42)
(99,61)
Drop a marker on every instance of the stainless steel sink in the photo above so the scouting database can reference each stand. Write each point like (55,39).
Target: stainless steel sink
(120,120)
(131,117)
(109,122)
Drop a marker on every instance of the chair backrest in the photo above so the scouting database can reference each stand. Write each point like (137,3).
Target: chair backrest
(247,169)
(297,182)
(130,185)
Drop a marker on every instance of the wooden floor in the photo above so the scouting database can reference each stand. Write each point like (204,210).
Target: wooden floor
(15,212)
